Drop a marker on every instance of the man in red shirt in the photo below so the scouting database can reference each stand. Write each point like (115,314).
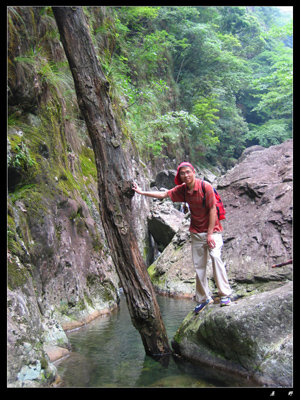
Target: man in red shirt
(205,231)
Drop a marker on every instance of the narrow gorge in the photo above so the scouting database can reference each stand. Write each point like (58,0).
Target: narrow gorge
(80,132)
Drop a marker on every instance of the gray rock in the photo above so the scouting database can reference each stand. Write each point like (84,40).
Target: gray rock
(252,337)
(250,150)
(206,174)
(163,222)
(164,179)
(30,372)
(27,363)
(258,196)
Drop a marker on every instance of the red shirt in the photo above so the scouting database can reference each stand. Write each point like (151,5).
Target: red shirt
(199,215)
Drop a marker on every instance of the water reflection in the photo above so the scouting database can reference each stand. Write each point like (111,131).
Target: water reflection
(109,353)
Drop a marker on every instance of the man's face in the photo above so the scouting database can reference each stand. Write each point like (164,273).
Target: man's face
(186,175)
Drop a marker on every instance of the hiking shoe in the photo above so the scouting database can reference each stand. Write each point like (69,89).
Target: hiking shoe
(225,301)
(201,306)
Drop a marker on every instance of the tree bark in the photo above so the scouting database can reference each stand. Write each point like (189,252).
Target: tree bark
(114,183)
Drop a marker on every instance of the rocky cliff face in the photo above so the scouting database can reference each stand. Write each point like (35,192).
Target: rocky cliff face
(258,194)
(59,267)
(60,271)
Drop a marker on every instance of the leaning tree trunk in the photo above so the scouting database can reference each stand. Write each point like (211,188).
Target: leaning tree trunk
(114,183)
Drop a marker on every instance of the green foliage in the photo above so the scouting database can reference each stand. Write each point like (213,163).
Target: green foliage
(205,109)
(175,117)
(233,130)
(274,131)
(276,88)
(282,32)
(243,25)
(22,156)
(137,16)
(274,91)
(203,61)
(206,81)
(206,135)
(163,130)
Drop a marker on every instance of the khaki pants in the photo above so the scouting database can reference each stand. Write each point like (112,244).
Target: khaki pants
(200,252)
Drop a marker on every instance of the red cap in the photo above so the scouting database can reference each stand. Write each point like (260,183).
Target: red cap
(177,179)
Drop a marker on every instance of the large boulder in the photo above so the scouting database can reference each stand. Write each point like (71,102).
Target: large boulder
(163,222)
(164,179)
(252,337)
(258,195)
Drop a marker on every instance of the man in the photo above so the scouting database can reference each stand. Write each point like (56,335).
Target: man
(205,231)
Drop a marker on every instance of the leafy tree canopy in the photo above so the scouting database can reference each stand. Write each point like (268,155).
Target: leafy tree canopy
(204,82)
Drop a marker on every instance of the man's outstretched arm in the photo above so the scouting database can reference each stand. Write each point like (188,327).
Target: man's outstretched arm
(157,195)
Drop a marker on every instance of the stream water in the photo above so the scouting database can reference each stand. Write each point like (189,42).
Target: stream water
(109,352)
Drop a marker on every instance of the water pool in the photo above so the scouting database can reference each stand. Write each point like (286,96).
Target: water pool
(109,353)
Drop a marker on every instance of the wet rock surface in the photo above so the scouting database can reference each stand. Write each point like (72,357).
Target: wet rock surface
(252,337)
(61,278)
